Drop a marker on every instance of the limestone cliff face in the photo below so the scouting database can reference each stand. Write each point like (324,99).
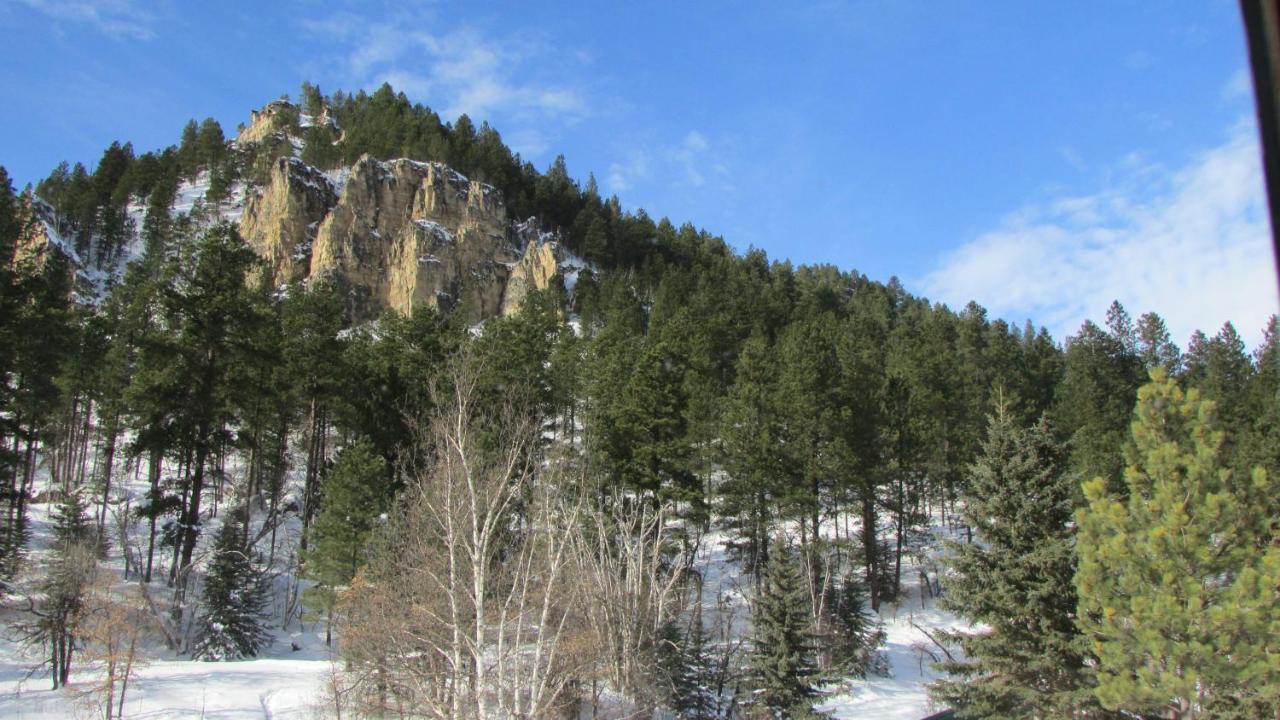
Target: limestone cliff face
(392,234)
(406,233)
(539,263)
(282,217)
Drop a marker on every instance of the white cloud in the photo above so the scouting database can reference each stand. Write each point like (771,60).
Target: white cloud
(690,157)
(684,163)
(624,175)
(120,19)
(456,72)
(1193,245)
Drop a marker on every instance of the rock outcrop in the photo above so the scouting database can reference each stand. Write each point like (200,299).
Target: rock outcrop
(392,234)
(282,217)
(406,233)
(539,263)
(263,123)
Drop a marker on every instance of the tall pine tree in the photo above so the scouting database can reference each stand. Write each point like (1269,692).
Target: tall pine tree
(1177,582)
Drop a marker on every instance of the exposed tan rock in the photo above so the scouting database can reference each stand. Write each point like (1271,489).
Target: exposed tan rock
(406,233)
(281,218)
(262,123)
(38,244)
(538,264)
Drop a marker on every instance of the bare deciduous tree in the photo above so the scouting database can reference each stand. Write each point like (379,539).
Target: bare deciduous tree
(112,627)
(635,584)
(465,606)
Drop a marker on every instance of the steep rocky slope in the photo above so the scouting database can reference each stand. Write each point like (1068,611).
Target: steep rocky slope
(393,234)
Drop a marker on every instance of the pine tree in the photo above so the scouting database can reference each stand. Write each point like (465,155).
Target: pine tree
(211,312)
(1177,582)
(856,635)
(237,593)
(354,495)
(1154,345)
(749,437)
(63,589)
(1016,579)
(782,661)
(1095,401)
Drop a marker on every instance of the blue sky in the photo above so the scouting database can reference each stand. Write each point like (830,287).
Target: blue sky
(1042,158)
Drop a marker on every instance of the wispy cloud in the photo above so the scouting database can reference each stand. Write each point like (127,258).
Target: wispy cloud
(456,71)
(687,162)
(120,19)
(1192,245)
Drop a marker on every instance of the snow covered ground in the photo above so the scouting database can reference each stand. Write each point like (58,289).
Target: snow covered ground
(285,683)
(902,695)
(271,687)
(281,683)
(289,679)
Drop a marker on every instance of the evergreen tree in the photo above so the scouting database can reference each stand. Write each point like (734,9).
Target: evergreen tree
(71,523)
(1220,369)
(354,495)
(748,441)
(237,593)
(1155,347)
(211,315)
(1177,582)
(684,670)
(855,638)
(1016,579)
(1260,444)
(782,661)
(806,411)
(63,588)
(188,150)
(1094,401)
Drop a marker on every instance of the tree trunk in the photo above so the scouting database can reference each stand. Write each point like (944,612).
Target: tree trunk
(28,478)
(154,465)
(82,465)
(106,474)
(901,512)
(869,544)
(191,519)
(309,484)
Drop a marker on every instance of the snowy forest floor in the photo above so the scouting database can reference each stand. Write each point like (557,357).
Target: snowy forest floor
(288,680)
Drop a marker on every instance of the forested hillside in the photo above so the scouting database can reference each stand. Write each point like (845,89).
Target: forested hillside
(499,514)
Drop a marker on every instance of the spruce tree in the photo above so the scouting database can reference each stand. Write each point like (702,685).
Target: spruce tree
(237,593)
(1177,581)
(1016,580)
(63,589)
(685,671)
(782,661)
(855,636)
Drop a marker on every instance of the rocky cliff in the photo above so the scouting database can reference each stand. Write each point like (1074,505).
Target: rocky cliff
(281,218)
(392,234)
(406,233)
